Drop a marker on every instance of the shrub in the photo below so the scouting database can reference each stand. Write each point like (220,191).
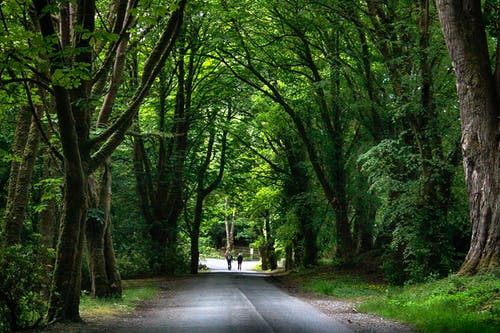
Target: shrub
(24,285)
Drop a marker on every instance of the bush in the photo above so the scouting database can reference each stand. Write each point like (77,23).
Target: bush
(24,285)
(134,264)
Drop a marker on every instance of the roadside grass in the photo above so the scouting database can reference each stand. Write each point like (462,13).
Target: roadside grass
(344,287)
(455,304)
(134,293)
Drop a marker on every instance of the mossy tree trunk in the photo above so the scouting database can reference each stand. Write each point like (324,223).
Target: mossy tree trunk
(104,274)
(24,150)
(50,215)
(74,109)
(296,189)
(479,95)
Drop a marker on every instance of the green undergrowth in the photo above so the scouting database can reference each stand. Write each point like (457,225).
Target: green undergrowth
(325,280)
(344,287)
(456,304)
(134,293)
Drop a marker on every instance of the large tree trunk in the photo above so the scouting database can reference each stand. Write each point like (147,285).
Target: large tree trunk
(65,295)
(296,189)
(478,92)
(269,242)
(114,277)
(24,149)
(105,278)
(104,275)
(168,203)
(94,231)
(195,235)
(50,215)
(82,155)
(229,224)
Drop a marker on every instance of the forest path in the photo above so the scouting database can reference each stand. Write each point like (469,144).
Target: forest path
(223,301)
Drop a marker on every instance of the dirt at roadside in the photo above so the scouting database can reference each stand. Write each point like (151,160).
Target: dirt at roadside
(105,323)
(344,311)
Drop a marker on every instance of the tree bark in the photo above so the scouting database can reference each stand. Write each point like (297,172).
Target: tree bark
(296,189)
(202,193)
(25,148)
(229,227)
(74,110)
(100,248)
(94,231)
(477,86)
(269,242)
(105,278)
(50,215)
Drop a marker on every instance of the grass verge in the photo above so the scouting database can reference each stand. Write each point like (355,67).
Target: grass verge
(134,292)
(452,305)
(455,304)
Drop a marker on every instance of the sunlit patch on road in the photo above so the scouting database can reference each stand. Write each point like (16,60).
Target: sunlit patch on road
(220,265)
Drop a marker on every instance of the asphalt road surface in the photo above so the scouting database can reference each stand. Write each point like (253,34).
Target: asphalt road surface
(232,301)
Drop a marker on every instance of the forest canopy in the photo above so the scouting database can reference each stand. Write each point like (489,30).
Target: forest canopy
(137,137)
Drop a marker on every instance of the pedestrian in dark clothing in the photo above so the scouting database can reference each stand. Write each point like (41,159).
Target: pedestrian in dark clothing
(229,258)
(240,260)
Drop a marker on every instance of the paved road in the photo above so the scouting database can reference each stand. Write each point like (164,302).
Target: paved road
(232,301)
(220,265)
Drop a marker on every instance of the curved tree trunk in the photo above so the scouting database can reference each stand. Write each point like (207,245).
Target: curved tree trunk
(478,92)
(83,154)
(104,275)
(202,192)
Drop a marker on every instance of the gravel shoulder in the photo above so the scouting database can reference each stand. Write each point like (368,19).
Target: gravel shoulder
(345,312)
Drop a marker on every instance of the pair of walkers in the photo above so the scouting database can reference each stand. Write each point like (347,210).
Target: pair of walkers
(229,259)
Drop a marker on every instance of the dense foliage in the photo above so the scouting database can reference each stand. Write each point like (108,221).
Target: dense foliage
(144,136)
(24,284)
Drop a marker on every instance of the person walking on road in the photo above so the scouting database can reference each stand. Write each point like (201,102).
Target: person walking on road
(229,258)
(239,258)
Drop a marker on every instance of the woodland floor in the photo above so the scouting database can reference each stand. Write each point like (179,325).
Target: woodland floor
(341,310)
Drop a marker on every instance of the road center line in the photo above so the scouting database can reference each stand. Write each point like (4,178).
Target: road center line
(255,310)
